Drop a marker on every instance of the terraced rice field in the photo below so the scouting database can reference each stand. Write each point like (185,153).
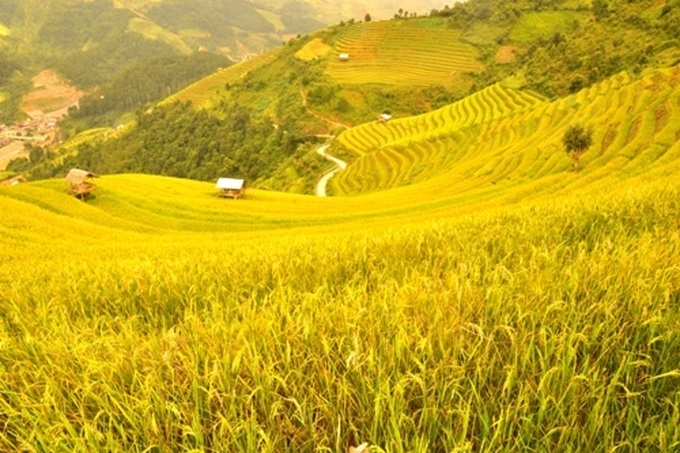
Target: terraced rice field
(202,92)
(402,53)
(503,136)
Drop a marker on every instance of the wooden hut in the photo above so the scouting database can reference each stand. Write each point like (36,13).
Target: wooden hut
(15,181)
(231,188)
(80,182)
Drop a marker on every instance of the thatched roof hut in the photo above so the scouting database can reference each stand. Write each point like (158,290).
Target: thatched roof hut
(79,182)
(230,187)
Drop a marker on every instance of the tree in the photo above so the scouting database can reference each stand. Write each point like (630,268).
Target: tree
(577,139)
(367,18)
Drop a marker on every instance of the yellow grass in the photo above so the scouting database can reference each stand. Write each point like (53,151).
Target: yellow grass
(501,137)
(314,49)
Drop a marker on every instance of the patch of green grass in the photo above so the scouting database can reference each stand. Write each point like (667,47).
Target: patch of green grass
(542,25)
(153,31)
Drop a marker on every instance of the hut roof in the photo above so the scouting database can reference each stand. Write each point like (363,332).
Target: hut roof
(230,184)
(76,176)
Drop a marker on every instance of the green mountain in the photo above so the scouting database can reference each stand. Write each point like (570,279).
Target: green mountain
(263,118)
(92,42)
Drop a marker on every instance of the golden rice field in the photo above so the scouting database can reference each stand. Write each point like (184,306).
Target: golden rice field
(539,313)
(504,137)
(402,53)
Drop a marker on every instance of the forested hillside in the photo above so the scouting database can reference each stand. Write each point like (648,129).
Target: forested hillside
(407,66)
(91,43)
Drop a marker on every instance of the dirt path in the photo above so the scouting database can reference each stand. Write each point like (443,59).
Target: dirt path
(339,166)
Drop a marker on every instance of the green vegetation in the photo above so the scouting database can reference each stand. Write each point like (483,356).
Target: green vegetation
(544,25)
(577,139)
(199,145)
(145,82)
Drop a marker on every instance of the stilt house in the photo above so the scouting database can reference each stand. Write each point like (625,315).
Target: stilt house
(231,188)
(80,182)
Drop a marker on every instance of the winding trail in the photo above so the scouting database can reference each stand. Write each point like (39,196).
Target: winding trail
(339,166)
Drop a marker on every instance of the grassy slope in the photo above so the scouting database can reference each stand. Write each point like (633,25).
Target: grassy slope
(158,310)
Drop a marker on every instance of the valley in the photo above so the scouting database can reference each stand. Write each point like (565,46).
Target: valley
(417,265)
(47,103)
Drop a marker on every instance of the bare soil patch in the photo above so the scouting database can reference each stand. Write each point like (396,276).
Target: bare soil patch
(506,54)
(50,95)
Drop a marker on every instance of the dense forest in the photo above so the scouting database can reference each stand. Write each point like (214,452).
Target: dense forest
(143,82)
(179,140)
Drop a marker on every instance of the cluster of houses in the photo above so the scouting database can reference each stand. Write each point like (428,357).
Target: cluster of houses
(39,129)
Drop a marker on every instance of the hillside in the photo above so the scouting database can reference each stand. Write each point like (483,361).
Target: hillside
(502,136)
(91,43)
(463,289)
(415,320)
(287,101)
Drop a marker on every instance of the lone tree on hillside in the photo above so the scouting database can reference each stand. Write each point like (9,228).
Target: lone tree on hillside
(367,18)
(577,140)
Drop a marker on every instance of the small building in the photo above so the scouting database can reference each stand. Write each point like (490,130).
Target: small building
(80,182)
(384,117)
(231,188)
(343,57)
